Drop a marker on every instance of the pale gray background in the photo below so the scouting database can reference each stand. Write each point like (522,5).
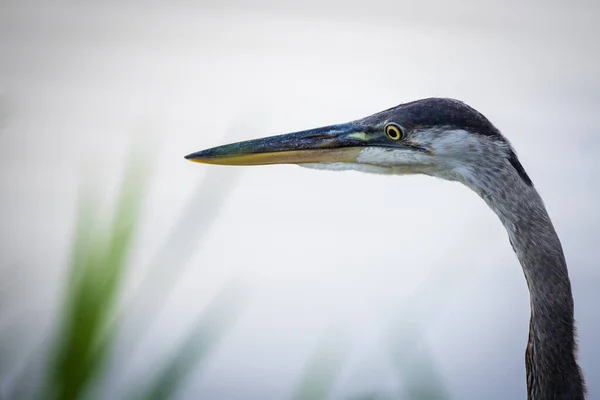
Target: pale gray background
(80,82)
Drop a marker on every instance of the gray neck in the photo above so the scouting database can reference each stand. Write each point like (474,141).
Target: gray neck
(552,370)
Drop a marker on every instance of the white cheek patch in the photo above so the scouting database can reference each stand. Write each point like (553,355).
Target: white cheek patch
(390,157)
(372,169)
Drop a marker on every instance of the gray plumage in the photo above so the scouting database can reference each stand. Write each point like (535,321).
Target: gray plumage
(501,181)
(551,366)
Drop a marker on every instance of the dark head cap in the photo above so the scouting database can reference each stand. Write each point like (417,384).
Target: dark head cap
(437,112)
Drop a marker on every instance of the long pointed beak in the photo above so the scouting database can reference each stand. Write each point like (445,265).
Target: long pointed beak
(336,143)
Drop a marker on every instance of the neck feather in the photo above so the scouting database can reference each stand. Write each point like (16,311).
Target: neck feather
(552,369)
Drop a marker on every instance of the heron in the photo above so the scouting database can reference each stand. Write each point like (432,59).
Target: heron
(448,139)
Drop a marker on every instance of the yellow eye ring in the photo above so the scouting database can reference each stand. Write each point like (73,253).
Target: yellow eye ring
(393,131)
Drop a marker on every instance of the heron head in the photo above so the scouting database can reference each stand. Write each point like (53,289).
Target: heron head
(436,136)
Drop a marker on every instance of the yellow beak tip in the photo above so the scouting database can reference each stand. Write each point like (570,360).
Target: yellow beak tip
(195,160)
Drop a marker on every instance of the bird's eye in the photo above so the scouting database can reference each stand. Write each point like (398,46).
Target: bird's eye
(393,131)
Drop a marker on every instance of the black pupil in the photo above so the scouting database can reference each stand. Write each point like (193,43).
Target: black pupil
(393,132)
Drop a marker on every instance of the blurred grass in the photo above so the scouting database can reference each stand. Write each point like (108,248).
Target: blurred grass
(184,240)
(324,366)
(415,366)
(215,321)
(98,264)
(99,260)
(409,351)
(166,268)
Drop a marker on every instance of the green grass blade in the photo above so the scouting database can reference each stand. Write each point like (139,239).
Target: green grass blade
(98,262)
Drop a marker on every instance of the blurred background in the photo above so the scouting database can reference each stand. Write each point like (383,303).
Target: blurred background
(127,272)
